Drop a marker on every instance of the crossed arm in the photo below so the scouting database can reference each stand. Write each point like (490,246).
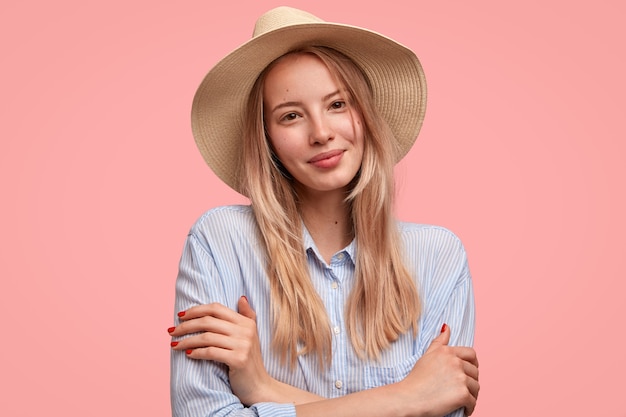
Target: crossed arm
(444,379)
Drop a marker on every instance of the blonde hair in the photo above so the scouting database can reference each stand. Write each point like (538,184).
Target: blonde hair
(384,302)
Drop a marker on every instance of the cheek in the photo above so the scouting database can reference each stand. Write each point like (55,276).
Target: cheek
(355,124)
(275,143)
(283,150)
(279,145)
(358,133)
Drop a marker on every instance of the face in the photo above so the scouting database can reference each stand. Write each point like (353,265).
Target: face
(314,130)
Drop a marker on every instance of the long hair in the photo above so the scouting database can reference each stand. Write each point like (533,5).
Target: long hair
(384,302)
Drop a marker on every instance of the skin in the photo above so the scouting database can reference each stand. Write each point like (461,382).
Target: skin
(318,137)
(308,116)
(444,379)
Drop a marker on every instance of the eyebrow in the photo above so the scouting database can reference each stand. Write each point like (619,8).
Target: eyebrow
(297,103)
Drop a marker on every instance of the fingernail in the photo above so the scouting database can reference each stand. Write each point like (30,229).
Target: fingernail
(174,344)
(171,329)
(444,327)
(181,313)
(188,351)
(245,298)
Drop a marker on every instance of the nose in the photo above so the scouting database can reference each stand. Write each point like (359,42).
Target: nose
(321,130)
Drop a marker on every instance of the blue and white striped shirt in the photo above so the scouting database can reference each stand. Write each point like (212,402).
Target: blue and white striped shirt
(224,259)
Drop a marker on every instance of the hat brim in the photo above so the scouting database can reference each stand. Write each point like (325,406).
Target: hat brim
(395,73)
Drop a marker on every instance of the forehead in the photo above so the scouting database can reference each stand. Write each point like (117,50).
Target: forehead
(296,62)
(296,71)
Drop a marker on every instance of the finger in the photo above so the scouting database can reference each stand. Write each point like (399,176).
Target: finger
(468,354)
(469,409)
(244,308)
(470,402)
(441,340)
(209,353)
(214,309)
(470,370)
(232,358)
(202,324)
(204,340)
(474,387)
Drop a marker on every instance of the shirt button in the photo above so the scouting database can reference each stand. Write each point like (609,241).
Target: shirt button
(340,256)
(336,329)
(338,384)
(334,285)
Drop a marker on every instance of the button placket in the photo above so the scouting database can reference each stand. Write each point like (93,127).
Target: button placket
(335,311)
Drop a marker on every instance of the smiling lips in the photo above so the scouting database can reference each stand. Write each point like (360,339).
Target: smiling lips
(327,159)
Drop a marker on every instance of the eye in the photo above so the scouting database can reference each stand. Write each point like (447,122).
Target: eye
(289,117)
(337,105)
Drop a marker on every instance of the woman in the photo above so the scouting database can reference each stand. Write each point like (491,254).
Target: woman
(314,300)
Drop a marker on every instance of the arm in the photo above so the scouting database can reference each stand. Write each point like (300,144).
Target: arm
(444,379)
(459,313)
(220,334)
(202,388)
(433,388)
(217,387)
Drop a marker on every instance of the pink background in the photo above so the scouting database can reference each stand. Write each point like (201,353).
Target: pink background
(521,155)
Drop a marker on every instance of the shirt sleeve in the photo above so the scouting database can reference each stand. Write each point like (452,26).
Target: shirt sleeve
(200,388)
(459,313)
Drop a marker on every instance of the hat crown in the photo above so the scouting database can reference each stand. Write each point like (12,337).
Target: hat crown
(282,17)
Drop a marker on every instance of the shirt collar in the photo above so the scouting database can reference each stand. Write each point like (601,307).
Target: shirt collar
(309,246)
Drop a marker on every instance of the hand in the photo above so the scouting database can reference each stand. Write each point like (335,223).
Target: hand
(223,335)
(445,377)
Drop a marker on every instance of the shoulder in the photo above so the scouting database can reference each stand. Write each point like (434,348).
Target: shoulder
(225,223)
(435,255)
(429,237)
(436,258)
(223,217)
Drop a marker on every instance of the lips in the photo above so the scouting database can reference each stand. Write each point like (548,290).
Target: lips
(327,160)
(325,155)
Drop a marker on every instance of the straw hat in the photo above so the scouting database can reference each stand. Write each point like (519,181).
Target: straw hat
(217,114)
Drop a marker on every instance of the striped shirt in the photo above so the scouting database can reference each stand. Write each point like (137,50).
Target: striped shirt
(224,259)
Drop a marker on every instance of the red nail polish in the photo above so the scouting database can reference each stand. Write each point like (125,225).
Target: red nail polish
(444,327)
(171,329)
(188,351)
(181,313)
(174,344)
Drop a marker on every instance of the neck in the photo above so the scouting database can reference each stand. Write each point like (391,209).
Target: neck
(327,218)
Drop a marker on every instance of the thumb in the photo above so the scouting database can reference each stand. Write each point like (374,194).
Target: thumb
(243,306)
(441,340)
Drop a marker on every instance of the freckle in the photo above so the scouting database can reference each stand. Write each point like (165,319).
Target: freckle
(335,222)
